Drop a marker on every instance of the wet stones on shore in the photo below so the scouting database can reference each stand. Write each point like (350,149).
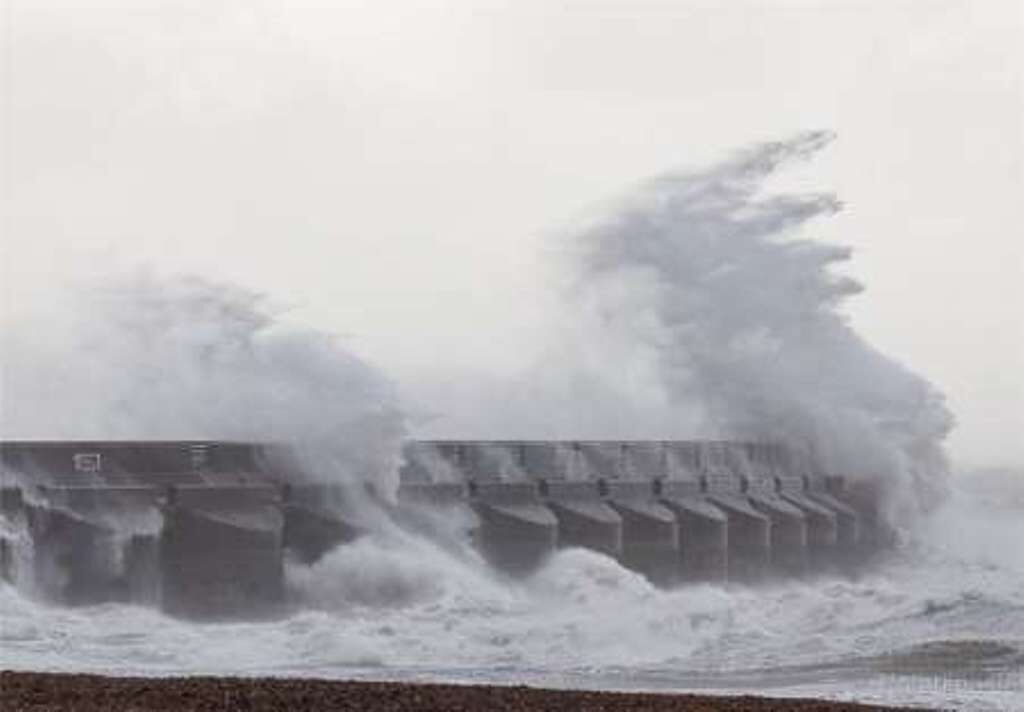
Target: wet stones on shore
(47,692)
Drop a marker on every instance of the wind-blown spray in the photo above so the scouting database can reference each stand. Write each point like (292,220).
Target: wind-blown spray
(710,280)
(144,356)
(719,306)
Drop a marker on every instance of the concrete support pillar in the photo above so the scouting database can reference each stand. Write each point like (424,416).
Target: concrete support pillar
(749,530)
(864,498)
(703,531)
(650,533)
(584,519)
(823,523)
(72,559)
(90,544)
(788,532)
(315,521)
(221,552)
(13,528)
(517,531)
(848,521)
(201,527)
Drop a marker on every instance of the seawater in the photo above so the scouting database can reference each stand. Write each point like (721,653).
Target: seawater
(939,623)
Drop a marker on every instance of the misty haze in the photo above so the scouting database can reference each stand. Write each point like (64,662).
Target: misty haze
(400,355)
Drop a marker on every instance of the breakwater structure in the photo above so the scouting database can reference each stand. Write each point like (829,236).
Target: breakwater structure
(204,528)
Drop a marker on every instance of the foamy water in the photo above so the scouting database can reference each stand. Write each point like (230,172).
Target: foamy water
(940,622)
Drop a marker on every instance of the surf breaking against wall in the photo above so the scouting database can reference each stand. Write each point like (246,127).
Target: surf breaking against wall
(697,279)
(700,281)
(717,285)
(147,356)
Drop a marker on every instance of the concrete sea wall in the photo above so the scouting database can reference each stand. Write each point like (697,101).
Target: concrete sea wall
(202,529)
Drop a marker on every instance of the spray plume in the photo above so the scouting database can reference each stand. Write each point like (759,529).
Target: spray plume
(145,356)
(709,279)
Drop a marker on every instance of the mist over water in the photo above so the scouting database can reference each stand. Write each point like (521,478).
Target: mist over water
(143,355)
(700,308)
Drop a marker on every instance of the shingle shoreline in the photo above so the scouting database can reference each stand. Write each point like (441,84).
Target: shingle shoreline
(52,692)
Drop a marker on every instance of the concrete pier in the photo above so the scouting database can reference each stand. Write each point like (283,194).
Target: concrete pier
(759,467)
(315,521)
(822,521)
(749,531)
(202,528)
(487,461)
(848,524)
(221,551)
(703,530)
(650,532)
(429,463)
(517,531)
(441,494)
(585,519)
(93,544)
(788,532)
(74,560)
(864,500)
(548,460)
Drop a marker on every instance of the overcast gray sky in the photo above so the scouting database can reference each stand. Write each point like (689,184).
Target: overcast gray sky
(404,169)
